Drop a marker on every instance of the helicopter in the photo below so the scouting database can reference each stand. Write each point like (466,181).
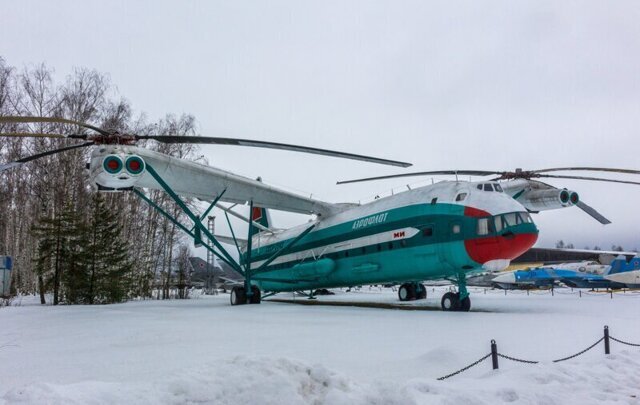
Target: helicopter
(446,230)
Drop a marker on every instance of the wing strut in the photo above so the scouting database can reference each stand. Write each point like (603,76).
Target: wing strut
(243,265)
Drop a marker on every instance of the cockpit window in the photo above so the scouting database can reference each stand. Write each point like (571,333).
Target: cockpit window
(525,217)
(479,186)
(483,226)
(488,187)
(498,223)
(461,196)
(498,188)
(510,219)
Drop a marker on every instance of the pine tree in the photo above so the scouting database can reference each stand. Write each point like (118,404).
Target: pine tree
(106,255)
(57,251)
(74,277)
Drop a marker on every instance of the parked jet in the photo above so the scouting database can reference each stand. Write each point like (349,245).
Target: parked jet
(547,277)
(625,273)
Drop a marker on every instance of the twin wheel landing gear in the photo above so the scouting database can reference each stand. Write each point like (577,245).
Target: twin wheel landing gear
(452,302)
(239,296)
(411,292)
(457,301)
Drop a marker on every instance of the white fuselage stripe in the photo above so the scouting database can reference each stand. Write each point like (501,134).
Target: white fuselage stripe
(318,252)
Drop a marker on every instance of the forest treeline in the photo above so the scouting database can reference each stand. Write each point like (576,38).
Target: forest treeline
(68,241)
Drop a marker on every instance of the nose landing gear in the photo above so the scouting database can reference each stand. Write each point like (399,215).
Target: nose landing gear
(452,302)
(459,301)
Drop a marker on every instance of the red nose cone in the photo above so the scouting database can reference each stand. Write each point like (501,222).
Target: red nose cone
(483,250)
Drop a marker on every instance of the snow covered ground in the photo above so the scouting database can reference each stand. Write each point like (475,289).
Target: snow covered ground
(204,351)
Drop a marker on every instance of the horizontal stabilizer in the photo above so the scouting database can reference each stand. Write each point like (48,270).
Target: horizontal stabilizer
(242,243)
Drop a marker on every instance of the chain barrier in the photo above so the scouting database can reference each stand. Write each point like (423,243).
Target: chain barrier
(504,356)
(579,353)
(494,354)
(475,363)
(623,342)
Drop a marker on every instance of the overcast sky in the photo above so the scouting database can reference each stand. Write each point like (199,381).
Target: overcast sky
(444,85)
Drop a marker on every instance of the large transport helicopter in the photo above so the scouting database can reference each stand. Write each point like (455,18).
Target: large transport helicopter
(442,231)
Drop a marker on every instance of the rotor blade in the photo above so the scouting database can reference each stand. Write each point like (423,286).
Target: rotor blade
(271,145)
(595,214)
(587,178)
(55,120)
(22,161)
(589,169)
(437,172)
(30,135)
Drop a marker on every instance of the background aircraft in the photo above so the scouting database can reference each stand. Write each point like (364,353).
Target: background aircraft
(624,275)
(441,231)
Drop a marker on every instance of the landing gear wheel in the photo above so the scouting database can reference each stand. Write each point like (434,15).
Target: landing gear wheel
(407,292)
(421,292)
(465,305)
(450,302)
(256,297)
(238,296)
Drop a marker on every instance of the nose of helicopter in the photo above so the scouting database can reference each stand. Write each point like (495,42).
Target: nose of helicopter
(496,250)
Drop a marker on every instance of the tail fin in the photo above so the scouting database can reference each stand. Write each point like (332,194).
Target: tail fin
(618,265)
(261,216)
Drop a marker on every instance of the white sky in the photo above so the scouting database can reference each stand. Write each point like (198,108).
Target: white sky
(442,84)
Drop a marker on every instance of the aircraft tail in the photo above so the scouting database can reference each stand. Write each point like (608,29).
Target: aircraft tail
(620,265)
(261,216)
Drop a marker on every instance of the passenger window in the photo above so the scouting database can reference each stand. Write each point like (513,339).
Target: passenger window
(455,228)
(427,231)
(434,201)
(487,187)
(483,226)
(390,245)
(461,196)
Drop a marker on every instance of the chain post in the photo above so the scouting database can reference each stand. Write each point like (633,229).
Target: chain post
(494,354)
(606,340)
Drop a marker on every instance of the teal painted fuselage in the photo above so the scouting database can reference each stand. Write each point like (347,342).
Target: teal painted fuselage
(408,243)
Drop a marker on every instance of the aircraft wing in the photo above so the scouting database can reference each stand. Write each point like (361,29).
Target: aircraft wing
(193,179)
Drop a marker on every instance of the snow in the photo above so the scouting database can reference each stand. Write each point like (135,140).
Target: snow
(204,351)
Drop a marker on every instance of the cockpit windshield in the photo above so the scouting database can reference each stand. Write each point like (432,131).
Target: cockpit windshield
(500,222)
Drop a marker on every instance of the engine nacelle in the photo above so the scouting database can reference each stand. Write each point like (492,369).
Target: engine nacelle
(550,199)
(114,168)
